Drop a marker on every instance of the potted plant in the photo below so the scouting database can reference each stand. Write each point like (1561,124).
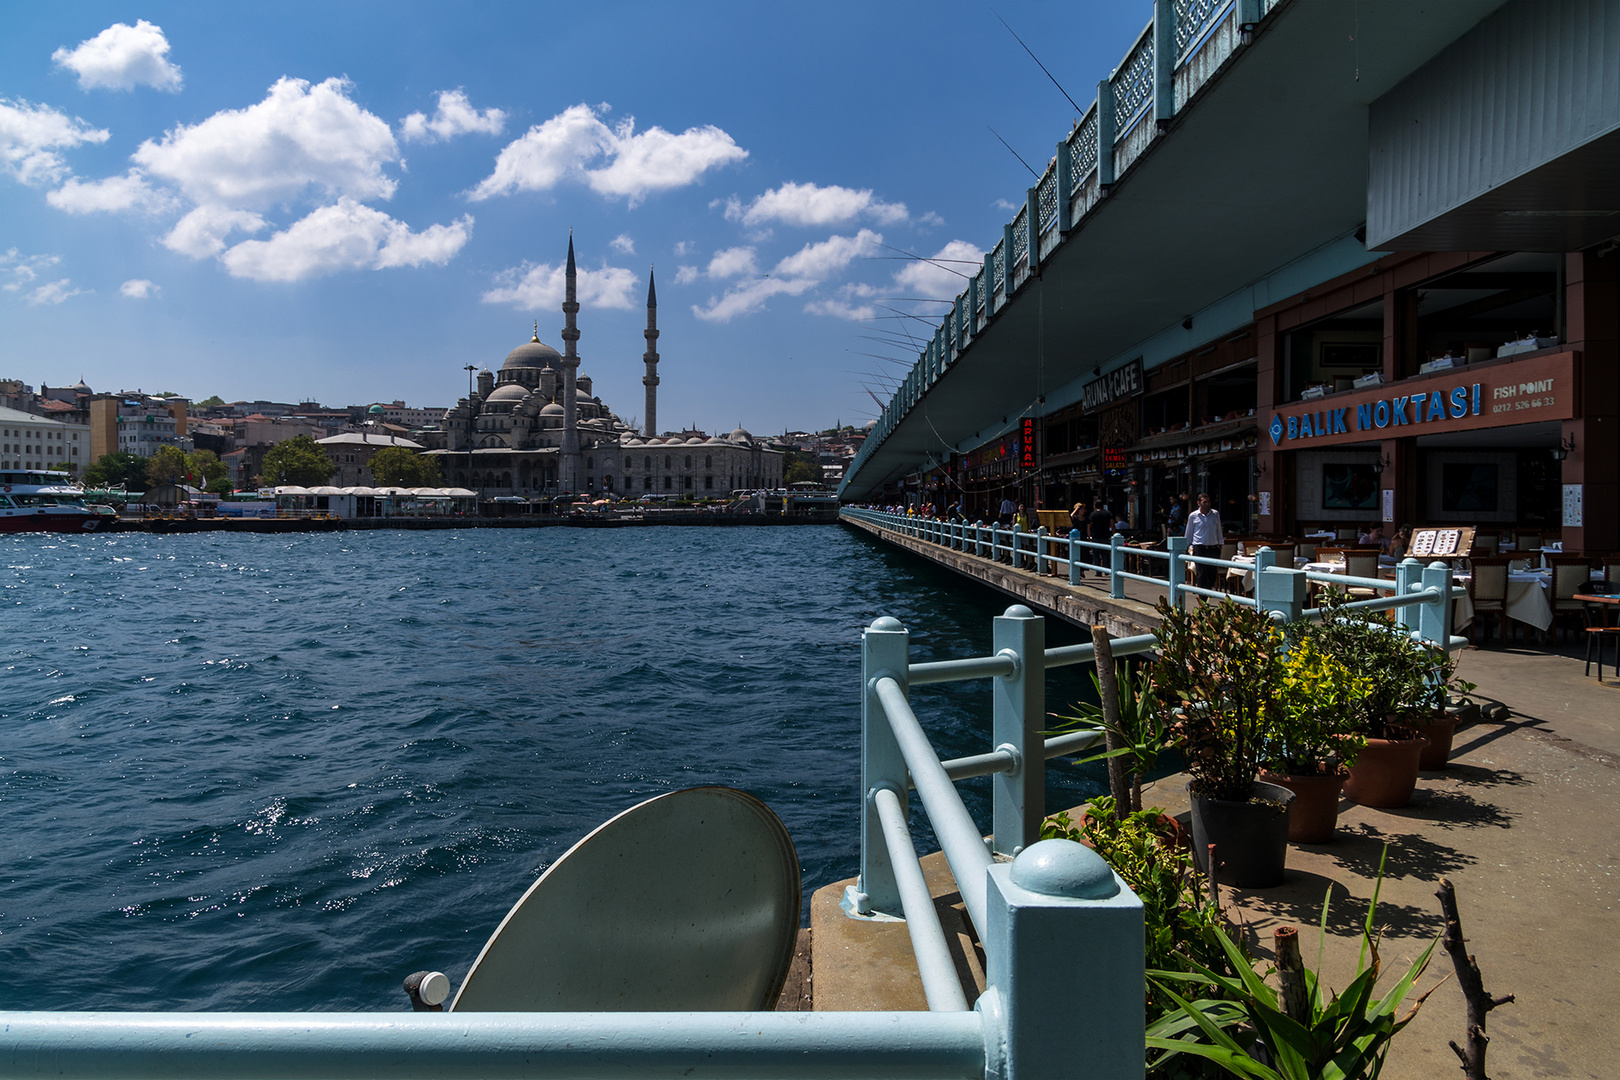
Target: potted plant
(1401,676)
(1219,677)
(1453,705)
(1317,736)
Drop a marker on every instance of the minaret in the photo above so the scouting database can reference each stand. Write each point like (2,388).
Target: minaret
(650,381)
(568,475)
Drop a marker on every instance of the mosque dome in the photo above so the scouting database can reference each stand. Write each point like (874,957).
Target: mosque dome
(509,392)
(534,354)
(739,435)
(375,410)
(553,409)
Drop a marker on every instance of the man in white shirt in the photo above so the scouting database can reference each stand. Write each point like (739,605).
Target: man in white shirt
(1204,538)
(1008,509)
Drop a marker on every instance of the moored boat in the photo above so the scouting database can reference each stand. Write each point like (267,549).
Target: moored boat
(36,500)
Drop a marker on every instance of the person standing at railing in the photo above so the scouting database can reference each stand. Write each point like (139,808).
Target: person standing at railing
(1204,539)
(1098,524)
(1008,509)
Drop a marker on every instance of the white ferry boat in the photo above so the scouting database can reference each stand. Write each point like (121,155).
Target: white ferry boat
(34,500)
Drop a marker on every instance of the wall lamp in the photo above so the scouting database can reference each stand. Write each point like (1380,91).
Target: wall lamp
(1381,465)
(1259,468)
(1564,448)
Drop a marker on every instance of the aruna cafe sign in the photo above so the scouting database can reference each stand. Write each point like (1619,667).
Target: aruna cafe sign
(1534,390)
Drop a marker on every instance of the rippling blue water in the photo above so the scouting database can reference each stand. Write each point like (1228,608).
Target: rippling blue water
(255,772)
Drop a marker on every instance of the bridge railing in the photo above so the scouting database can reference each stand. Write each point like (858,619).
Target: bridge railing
(1421,597)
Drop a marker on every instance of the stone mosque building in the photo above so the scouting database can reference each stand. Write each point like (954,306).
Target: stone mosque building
(534,428)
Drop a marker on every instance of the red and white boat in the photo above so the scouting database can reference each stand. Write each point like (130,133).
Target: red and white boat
(34,500)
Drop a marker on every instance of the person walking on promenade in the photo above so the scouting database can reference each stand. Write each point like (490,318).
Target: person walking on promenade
(1008,509)
(1178,514)
(1204,538)
(1099,524)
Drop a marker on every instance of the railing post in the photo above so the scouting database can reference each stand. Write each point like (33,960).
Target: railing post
(885,652)
(1062,927)
(1164,60)
(1264,559)
(1408,577)
(1012,556)
(1116,566)
(1076,555)
(1177,546)
(1434,617)
(995,541)
(1040,550)
(978,538)
(1017,719)
(1279,589)
(1105,134)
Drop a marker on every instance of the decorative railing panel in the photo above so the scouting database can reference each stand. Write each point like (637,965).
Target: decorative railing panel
(1083,146)
(1133,85)
(1020,236)
(1046,199)
(1193,18)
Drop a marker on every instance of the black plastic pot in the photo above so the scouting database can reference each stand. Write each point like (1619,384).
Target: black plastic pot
(1250,838)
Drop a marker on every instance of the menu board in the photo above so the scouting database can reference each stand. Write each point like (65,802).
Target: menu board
(1441,543)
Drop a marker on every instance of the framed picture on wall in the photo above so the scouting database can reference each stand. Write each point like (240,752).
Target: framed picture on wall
(1466,486)
(1349,487)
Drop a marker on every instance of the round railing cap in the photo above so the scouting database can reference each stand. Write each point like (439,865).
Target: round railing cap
(886,622)
(1064,868)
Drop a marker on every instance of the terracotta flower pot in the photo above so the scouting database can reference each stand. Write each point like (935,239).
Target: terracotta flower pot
(1439,732)
(1314,812)
(1385,773)
(1250,838)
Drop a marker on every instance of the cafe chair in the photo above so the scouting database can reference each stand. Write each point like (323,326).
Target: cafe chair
(1601,627)
(1529,541)
(1487,589)
(1362,563)
(1346,535)
(1611,569)
(1570,574)
(1484,544)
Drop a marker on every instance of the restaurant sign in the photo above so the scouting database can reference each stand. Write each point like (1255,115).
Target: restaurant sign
(1527,392)
(1115,386)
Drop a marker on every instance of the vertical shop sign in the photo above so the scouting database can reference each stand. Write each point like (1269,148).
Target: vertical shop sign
(1028,458)
(1572,506)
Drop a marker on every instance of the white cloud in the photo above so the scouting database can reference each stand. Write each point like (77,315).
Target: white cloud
(344,236)
(623,244)
(832,255)
(202,232)
(52,293)
(31,135)
(841,309)
(792,276)
(685,275)
(811,205)
(19,269)
(298,138)
(121,58)
(931,219)
(684,248)
(733,262)
(454,116)
(115,193)
(1010,207)
(535,286)
(633,165)
(944,279)
(140,288)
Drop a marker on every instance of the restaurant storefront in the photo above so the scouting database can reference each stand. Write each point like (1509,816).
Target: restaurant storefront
(1447,388)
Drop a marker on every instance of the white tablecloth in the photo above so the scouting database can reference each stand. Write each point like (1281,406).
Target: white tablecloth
(1244,579)
(1526,602)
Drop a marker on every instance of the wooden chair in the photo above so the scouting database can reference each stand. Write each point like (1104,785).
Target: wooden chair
(1529,541)
(1362,563)
(1484,544)
(1570,573)
(1487,588)
(1600,627)
(1346,535)
(1611,569)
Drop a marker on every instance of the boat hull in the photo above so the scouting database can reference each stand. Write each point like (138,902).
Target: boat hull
(52,521)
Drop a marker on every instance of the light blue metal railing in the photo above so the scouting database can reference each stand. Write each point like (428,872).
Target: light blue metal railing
(1184,46)
(1421,596)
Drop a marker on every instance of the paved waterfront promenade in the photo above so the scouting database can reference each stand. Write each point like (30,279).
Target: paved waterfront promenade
(1522,822)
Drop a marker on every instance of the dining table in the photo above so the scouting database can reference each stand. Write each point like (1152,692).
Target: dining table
(1526,600)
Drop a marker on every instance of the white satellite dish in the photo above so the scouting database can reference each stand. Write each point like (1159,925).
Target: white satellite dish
(689,902)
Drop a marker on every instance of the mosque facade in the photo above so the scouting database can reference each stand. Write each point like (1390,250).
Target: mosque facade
(534,429)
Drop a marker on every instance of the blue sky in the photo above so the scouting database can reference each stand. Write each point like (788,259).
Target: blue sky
(350,202)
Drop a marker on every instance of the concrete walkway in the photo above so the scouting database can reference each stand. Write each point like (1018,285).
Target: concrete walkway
(1522,822)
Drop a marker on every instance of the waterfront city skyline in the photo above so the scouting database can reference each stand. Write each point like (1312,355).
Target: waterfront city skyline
(352,203)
